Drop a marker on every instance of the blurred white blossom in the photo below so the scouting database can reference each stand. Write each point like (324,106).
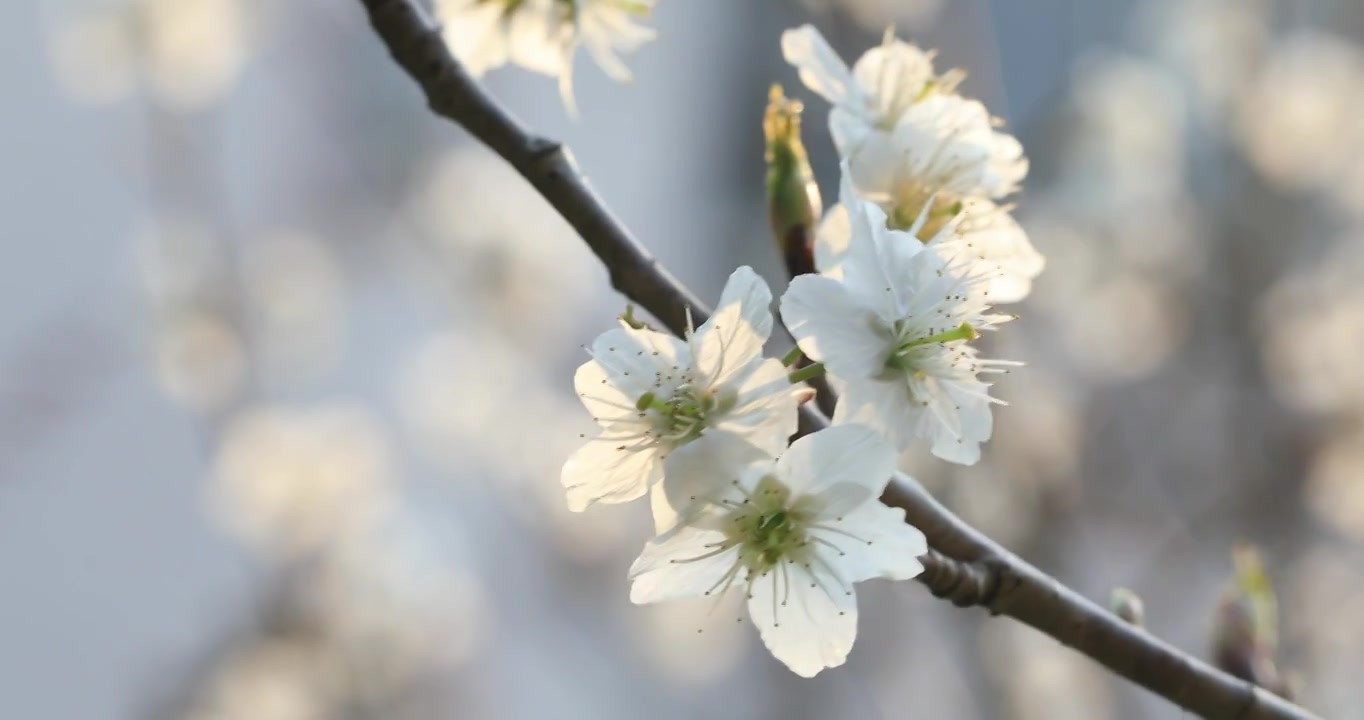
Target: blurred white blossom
(1300,120)
(294,480)
(544,35)
(482,230)
(200,361)
(293,287)
(187,53)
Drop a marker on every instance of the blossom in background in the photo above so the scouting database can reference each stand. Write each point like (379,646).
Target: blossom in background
(895,325)
(652,393)
(870,99)
(984,234)
(793,532)
(185,54)
(915,147)
(543,35)
(295,480)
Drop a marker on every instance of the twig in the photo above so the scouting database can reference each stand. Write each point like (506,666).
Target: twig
(965,566)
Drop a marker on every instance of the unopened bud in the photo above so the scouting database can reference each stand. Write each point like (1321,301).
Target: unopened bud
(793,202)
(1127,605)
(1245,630)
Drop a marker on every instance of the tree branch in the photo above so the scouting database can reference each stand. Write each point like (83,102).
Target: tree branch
(965,566)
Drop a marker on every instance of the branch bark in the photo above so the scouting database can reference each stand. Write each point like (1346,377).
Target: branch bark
(964,566)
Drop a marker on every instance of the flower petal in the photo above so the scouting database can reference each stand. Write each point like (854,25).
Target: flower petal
(830,325)
(831,241)
(841,455)
(734,336)
(885,406)
(989,236)
(603,398)
(766,413)
(885,546)
(807,617)
(894,75)
(632,359)
(821,69)
(707,469)
(676,566)
(616,466)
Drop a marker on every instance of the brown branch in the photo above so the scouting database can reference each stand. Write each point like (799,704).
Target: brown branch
(965,566)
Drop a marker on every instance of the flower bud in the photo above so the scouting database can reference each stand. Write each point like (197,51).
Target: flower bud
(1245,631)
(793,202)
(1127,605)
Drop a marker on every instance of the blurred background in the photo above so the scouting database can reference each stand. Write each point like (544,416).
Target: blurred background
(286,362)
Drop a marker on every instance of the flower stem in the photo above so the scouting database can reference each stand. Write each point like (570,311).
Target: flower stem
(812,370)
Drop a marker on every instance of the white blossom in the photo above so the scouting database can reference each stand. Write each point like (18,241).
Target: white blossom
(893,109)
(874,94)
(793,533)
(895,324)
(544,35)
(652,393)
(984,234)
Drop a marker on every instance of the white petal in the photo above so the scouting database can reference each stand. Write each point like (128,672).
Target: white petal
(884,545)
(875,163)
(962,420)
(849,128)
(885,406)
(950,143)
(831,241)
(614,467)
(766,413)
(541,39)
(830,325)
(735,334)
(708,468)
(474,33)
(807,617)
(631,359)
(850,455)
(878,261)
(989,236)
(602,397)
(665,515)
(894,75)
(673,566)
(820,67)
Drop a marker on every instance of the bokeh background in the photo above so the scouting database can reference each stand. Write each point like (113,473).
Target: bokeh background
(285,362)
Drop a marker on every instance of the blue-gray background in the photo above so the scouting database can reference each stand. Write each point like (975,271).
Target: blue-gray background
(285,362)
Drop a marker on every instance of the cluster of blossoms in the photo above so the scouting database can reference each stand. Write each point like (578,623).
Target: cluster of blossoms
(902,275)
(544,35)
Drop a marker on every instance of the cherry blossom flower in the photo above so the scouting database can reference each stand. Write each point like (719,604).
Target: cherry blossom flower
(895,323)
(652,393)
(794,533)
(984,234)
(544,35)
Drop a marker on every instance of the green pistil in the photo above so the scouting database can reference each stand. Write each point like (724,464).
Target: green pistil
(683,417)
(901,360)
(766,530)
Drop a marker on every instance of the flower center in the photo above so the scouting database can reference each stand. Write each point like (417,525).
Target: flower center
(905,356)
(767,528)
(684,416)
(915,208)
